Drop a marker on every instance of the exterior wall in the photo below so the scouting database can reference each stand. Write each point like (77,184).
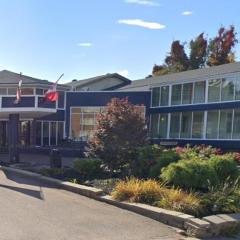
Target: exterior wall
(94,99)
(100,85)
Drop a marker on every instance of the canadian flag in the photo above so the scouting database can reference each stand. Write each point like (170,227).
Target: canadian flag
(52,95)
(18,93)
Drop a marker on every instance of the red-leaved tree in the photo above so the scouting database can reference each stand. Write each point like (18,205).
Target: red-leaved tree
(221,47)
(120,130)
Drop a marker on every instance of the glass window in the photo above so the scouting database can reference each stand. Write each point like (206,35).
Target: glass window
(237,88)
(175,125)
(53,133)
(61,99)
(236,124)
(12,91)
(187,93)
(164,96)
(75,125)
(3,91)
(45,133)
(199,92)
(154,125)
(60,132)
(227,89)
(163,125)
(39,133)
(27,91)
(186,125)
(39,91)
(225,128)
(212,124)
(76,110)
(176,94)
(197,127)
(155,96)
(214,87)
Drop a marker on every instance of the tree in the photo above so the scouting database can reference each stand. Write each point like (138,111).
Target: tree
(178,60)
(198,52)
(159,70)
(221,47)
(120,130)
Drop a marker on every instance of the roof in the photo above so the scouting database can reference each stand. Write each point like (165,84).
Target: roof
(186,75)
(8,77)
(82,83)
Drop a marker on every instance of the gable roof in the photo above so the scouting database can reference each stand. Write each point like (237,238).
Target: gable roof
(186,75)
(85,82)
(8,78)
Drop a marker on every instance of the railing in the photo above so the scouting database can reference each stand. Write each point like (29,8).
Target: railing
(26,102)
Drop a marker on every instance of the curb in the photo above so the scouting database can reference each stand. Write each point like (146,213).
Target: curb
(206,227)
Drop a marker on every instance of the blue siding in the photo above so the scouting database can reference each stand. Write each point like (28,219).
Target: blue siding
(88,99)
(8,102)
(58,116)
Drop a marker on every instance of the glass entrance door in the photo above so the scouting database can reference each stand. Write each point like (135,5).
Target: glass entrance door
(25,133)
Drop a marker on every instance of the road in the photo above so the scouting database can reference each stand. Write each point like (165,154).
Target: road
(31,210)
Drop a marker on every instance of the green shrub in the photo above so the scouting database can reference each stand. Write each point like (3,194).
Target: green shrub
(145,158)
(88,168)
(224,198)
(163,160)
(225,167)
(189,174)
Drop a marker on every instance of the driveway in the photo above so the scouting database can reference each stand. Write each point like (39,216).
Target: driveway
(30,210)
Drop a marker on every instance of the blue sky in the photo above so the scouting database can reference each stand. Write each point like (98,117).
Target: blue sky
(85,38)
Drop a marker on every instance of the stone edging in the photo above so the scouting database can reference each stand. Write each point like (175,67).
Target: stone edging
(206,227)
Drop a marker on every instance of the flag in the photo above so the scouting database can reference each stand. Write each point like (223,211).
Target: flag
(18,92)
(52,95)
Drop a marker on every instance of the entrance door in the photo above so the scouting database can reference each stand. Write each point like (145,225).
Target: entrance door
(25,133)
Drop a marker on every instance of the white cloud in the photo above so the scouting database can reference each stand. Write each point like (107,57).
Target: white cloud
(187,13)
(86,44)
(143,2)
(123,72)
(141,23)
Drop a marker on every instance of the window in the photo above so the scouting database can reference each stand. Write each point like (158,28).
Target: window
(236,124)
(212,125)
(175,125)
(39,133)
(27,91)
(225,127)
(187,93)
(12,91)
(237,88)
(227,89)
(155,96)
(39,91)
(3,91)
(45,133)
(61,99)
(154,125)
(176,94)
(164,96)
(197,127)
(53,133)
(83,122)
(163,125)
(199,92)
(186,124)
(214,87)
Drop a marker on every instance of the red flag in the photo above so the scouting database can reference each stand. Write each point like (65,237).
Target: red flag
(52,94)
(18,93)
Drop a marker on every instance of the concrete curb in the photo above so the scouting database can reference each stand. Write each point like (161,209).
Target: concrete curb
(72,187)
(206,227)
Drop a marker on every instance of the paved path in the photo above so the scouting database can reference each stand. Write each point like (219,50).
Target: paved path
(30,210)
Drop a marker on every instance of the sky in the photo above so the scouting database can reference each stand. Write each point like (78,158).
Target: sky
(86,38)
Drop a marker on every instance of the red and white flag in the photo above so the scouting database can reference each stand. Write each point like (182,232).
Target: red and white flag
(52,95)
(18,93)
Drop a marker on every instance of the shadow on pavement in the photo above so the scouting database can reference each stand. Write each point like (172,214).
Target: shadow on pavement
(17,178)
